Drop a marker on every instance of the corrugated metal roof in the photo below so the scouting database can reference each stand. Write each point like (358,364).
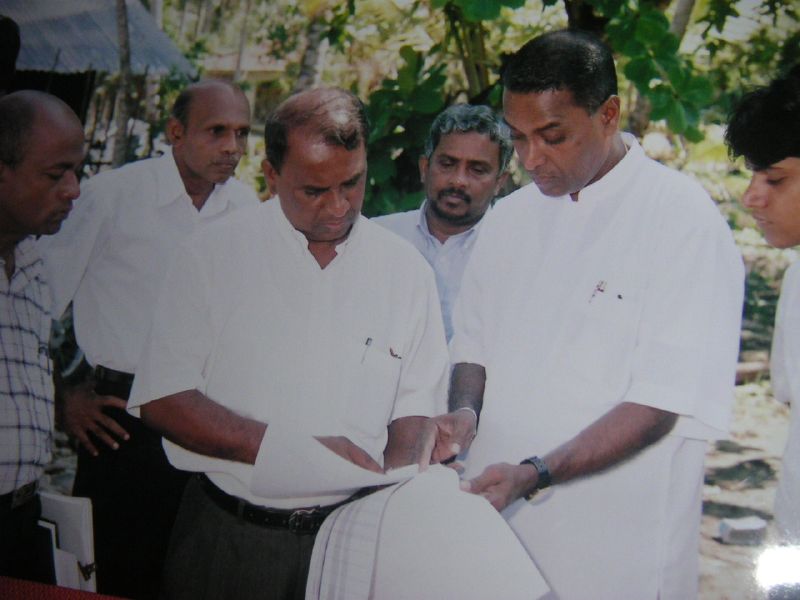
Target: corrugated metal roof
(73,36)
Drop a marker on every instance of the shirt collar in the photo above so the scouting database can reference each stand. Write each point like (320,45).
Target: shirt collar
(422,225)
(27,263)
(171,187)
(299,240)
(620,174)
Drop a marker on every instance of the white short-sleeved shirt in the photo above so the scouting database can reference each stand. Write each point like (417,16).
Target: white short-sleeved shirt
(785,367)
(631,294)
(447,259)
(111,253)
(247,317)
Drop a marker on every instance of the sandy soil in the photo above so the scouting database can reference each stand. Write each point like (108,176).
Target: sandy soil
(741,476)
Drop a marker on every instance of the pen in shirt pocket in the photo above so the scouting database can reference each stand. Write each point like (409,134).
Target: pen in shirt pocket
(367,344)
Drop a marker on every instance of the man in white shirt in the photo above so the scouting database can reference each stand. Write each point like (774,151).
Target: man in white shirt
(110,260)
(598,323)
(297,316)
(765,129)
(41,150)
(463,169)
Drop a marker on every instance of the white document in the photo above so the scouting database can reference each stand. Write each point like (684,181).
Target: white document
(73,517)
(424,539)
(290,465)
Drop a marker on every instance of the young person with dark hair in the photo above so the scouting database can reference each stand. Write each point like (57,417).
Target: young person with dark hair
(764,128)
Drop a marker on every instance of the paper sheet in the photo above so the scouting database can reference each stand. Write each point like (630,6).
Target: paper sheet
(290,465)
(421,540)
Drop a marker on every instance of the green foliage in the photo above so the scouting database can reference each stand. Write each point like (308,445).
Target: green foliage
(401,112)
(478,10)
(640,33)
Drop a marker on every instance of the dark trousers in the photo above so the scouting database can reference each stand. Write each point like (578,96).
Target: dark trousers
(135,495)
(216,555)
(23,554)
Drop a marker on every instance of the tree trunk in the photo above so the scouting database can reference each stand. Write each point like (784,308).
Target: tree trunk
(640,115)
(123,97)
(242,41)
(308,66)
(680,21)
(157,11)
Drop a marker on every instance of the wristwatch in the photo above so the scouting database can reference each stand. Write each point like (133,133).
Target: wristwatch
(544,479)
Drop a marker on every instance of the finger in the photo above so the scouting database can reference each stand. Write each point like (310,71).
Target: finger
(113,401)
(111,425)
(457,467)
(86,442)
(443,452)
(104,437)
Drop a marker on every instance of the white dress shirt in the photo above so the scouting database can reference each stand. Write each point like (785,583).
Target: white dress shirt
(448,259)
(631,294)
(111,253)
(247,317)
(785,368)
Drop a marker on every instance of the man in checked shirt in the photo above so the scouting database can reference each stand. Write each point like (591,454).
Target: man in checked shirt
(41,148)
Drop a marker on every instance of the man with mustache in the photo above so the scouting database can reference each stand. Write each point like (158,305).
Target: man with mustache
(294,320)
(765,128)
(463,169)
(41,152)
(110,260)
(596,335)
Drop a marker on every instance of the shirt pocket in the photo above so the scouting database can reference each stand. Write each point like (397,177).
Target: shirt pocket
(600,339)
(370,377)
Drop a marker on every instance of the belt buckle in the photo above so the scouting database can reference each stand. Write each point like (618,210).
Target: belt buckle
(301,520)
(24,494)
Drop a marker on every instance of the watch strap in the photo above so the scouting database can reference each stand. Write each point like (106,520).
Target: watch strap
(544,478)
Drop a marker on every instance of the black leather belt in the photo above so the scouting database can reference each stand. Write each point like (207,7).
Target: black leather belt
(107,375)
(300,521)
(20,496)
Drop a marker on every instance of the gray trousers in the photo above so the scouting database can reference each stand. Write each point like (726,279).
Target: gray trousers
(216,555)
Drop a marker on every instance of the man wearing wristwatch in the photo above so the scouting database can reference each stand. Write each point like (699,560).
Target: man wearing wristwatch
(607,341)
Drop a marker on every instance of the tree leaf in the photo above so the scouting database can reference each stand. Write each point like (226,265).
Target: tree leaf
(479,10)
(676,117)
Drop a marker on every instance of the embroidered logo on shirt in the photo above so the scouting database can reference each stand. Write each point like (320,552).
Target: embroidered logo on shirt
(598,289)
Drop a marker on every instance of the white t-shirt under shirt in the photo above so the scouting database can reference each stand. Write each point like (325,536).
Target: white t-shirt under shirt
(631,294)
(247,317)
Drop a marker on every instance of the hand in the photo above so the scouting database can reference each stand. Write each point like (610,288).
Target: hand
(502,483)
(455,432)
(82,414)
(350,452)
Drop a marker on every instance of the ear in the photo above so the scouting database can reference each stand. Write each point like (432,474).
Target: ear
(501,181)
(423,167)
(610,113)
(175,131)
(271,175)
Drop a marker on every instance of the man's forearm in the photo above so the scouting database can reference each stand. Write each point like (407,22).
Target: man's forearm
(467,383)
(619,434)
(197,423)
(411,441)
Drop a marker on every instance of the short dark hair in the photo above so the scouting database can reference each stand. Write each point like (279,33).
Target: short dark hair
(336,115)
(183,103)
(17,115)
(9,51)
(764,126)
(564,60)
(466,118)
